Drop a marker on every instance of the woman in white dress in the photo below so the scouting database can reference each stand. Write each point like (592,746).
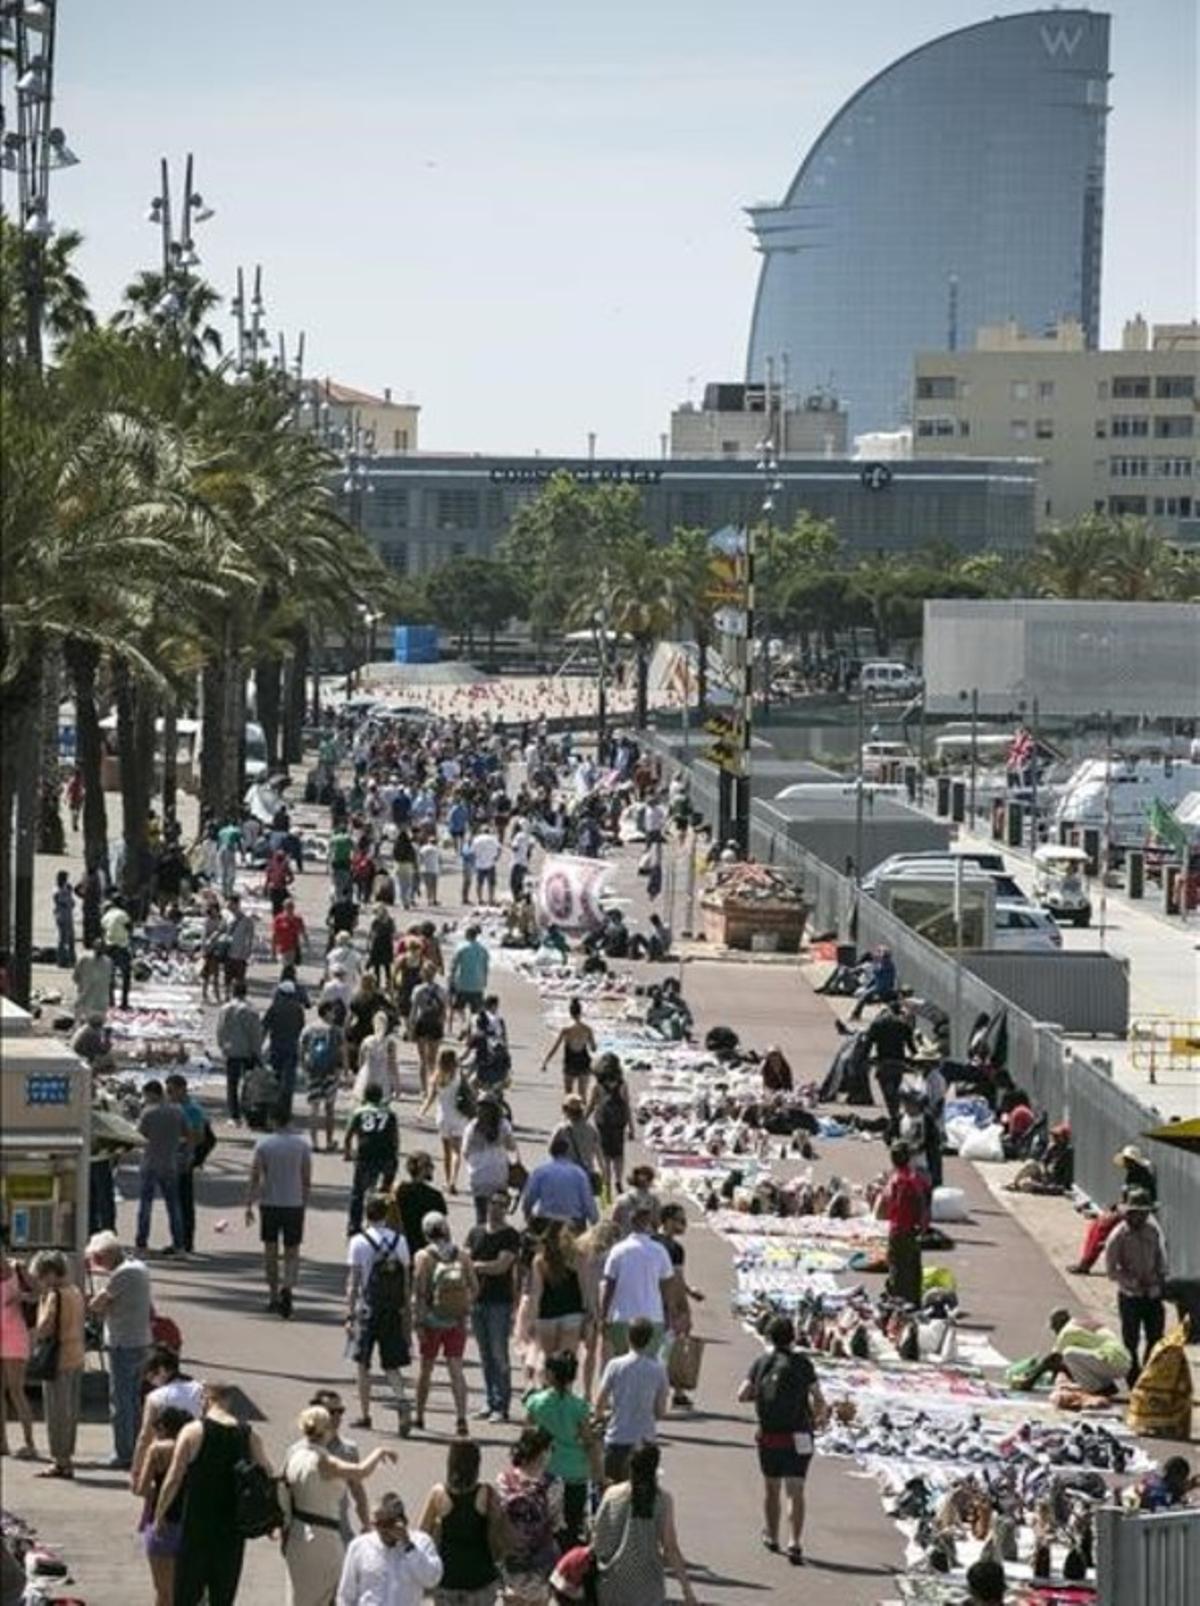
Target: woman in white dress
(313,1547)
(378,1062)
(451,1093)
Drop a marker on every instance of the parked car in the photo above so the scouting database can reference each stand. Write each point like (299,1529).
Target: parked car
(1022,928)
(905,864)
(888,678)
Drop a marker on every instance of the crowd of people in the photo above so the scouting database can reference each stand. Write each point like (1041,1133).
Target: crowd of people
(569,1289)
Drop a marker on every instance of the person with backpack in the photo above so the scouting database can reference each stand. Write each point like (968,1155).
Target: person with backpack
(322,1058)
(611,1112)
(455,1101)
(782,1386)
(373,1143)
(444,1289)
(198,1143)
(427,1022)
(378,1314)
(221,1470)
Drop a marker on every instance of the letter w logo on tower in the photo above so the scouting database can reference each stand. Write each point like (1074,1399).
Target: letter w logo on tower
(1064,40)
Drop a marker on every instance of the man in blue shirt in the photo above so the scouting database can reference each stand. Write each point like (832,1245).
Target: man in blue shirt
(558,1189)
(194,1135)
(469,973)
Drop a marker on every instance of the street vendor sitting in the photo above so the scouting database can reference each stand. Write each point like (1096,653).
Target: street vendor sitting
(93,1043)
(1092,1357)
(1053,1171)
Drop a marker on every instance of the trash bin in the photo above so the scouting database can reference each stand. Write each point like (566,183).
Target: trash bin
(958,801)
(997,819)
(943,796)
(1135,873)
(1016,825)
(1091,846)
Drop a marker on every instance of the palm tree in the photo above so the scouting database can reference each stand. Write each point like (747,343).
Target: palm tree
(640,607)
(1072,560)
(690,593)
(174,310)
(66,311)
(1141,566)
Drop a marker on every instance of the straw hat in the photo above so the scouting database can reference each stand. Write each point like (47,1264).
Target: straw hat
(1131,1154)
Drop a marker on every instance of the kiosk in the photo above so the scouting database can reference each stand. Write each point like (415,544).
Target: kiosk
(45,1140)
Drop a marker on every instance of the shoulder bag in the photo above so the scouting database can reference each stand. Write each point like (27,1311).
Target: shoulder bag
(43,1357)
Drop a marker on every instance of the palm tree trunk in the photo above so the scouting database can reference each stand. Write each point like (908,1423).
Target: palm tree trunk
(170,772)
(18,840)
(268,680)
(135,743)
(83,661)
(233,730)
(212,749)
(702,675)
(293,699)
(50,835)
(642,704)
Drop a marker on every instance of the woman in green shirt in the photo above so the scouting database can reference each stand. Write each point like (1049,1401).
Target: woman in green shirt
(568,1420)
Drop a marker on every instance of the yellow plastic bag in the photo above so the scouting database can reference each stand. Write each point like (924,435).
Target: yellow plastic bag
(1161,1400)
(940,1278)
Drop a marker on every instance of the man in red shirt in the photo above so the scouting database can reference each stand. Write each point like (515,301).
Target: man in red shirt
(287,934)
(905,1207)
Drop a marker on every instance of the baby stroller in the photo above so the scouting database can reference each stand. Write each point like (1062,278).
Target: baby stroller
(260,1095)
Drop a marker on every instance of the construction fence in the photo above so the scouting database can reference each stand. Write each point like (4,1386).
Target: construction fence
(1068,1086)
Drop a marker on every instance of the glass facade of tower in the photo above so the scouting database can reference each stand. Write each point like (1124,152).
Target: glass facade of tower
(962,186)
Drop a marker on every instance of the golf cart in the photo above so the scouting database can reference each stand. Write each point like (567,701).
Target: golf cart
(1058,883)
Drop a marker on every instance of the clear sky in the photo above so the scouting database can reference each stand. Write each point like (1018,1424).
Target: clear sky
(526,214)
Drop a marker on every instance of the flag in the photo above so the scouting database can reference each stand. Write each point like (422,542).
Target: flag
(1020,754)
(569,891)
(1166,827)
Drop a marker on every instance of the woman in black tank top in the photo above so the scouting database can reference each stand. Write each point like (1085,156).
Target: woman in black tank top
(461,1515)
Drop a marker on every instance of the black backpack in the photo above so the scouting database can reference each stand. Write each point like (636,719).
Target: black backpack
(781,1398)
(256,1508)
(386,1293)
(206,1145)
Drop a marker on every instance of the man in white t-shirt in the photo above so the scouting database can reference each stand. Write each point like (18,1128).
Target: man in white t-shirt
(485,848)
(521,846)
(636,1275)
(379,1308)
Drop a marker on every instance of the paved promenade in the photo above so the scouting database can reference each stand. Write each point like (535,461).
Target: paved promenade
(218,1299)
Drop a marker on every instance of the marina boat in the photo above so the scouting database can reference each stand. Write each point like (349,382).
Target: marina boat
(1119,795)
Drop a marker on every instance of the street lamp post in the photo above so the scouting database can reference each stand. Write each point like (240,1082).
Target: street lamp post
(974,696)
(179,254)
(769,467)
(32,148)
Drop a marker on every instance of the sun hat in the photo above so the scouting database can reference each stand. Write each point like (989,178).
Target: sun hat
(1132,1153)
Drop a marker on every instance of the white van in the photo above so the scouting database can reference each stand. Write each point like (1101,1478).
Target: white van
(888,678)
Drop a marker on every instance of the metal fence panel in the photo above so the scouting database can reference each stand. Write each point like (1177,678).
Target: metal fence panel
(1147,1559)
(1081,992)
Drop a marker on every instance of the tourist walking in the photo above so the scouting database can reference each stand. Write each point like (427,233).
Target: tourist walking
(117,931)
(161,1544)
(635,1540)
(315,1481)
(280,1182)
(239,1038)
(635,1386)
(493,1247)
(455,1103)
(567,1419)
(1135,1259)
(390,1564)
(414,1199)
(578,1044)
(489,1150)
(610,1109)
(323,1061)
(168,1389)
(469,974)
(427,1022)
(378,1308)
(904,1205)
(283,1027)
(124,1305)
(559,1189)
(463,1518)
(531,1499)
(204,1470)
(18,1308)
(60,1321)
(239,940)
(558,1294)
(378,1057)
(164,1132)
(782,1386)
(93,978)
(636,1282)
(63,901)
(444,1290)
(372,1142)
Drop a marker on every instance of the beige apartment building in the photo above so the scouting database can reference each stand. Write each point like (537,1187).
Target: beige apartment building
(392,425)
(734,419)
(1113,431)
